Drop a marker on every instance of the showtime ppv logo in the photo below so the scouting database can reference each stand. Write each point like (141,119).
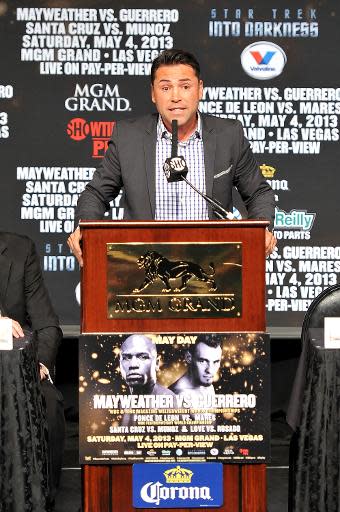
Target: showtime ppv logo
(99,131)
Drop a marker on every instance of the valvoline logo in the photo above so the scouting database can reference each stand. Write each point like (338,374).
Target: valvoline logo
(263,60)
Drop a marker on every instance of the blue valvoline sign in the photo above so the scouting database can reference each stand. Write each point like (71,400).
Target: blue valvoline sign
(178,485)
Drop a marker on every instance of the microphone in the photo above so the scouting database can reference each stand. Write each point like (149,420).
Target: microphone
(176,169)
(174,140)
(216,206)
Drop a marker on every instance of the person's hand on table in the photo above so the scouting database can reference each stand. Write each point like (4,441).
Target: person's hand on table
(16,328)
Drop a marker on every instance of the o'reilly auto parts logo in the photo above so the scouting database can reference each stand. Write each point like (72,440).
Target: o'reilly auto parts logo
(263,60)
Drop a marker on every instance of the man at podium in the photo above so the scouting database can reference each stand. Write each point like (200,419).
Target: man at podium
(213,151)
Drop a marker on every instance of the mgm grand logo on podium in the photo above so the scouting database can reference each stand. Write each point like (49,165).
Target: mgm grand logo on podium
(174,280)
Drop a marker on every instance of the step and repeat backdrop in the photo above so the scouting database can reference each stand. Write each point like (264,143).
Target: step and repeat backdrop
(71,69)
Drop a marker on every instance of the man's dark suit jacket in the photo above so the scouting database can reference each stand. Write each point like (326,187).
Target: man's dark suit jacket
(23,295)
(130,163)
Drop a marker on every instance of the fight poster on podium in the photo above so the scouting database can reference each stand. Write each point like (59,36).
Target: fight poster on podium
(174,398)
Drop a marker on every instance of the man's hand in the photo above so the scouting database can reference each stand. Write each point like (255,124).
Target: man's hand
(74,244)
(270,242)
(44,373)
(16,328)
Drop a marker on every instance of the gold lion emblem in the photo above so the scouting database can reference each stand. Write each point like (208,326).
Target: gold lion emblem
(157,266)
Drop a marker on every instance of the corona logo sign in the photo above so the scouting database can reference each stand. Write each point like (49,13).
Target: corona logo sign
(178,475)
(267,171)
(155,492)
(164,486)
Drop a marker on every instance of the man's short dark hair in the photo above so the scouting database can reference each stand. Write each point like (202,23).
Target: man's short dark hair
(210,341)
(171,57)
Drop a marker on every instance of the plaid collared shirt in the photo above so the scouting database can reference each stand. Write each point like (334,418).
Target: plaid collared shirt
(178,201)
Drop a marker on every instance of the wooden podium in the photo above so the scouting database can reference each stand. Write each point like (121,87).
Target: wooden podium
(108,488)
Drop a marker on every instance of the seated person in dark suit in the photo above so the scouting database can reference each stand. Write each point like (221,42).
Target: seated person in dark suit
(25,300)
